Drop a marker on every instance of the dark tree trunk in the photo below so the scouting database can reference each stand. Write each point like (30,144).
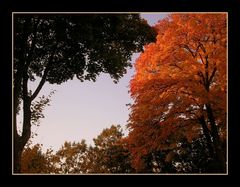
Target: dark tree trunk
(219,155)
(207,135)
(18,149)
(20,141)
(17,156)
(220,160)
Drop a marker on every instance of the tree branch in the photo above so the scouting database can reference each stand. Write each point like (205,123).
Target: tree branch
(207,83)
(188,49)
(202,76)
(25,86)
(175,65)
(202,47)
(201,58)
(212,74)
(42,82)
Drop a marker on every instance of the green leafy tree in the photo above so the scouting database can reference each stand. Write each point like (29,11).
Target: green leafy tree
(192,157)
(56,48)
(109,155)
(71,157)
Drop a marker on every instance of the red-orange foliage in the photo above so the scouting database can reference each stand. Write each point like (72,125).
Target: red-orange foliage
(179,88)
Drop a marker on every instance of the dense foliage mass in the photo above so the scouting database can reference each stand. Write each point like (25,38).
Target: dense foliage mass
(179,93)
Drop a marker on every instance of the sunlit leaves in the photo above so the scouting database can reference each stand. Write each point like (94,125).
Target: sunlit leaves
(176,78)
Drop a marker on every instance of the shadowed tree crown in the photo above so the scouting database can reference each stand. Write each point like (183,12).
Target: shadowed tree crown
(78,45)
(56,48)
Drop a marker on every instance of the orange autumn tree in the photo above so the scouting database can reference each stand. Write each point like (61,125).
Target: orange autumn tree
(34,160)
(179,88)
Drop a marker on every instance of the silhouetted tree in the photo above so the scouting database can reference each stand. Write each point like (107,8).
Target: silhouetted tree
(57,48)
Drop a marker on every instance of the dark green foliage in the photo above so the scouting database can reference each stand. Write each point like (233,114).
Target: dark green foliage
(80,45)
(109,155)
(187,157)
(195,157)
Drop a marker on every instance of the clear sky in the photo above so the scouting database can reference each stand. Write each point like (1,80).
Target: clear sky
(81,110)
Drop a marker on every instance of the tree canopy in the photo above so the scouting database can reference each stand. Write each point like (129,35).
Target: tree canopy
(179,88)
(59,47)
(64,46)
(109,154)
(33,160)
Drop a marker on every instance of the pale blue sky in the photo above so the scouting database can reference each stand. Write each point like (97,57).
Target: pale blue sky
(81,110)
